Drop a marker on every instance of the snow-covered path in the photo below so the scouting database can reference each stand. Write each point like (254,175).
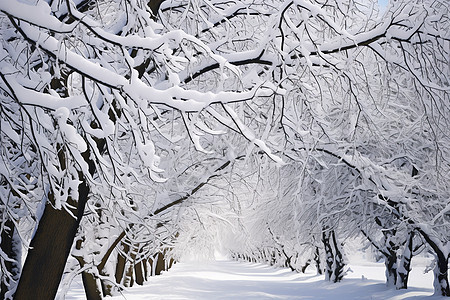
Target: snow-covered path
(240,280)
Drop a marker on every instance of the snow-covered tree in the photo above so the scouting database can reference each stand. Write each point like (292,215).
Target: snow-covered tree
(92,108)
(100,98)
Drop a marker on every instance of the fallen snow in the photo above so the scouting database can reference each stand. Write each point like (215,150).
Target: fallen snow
(224,279)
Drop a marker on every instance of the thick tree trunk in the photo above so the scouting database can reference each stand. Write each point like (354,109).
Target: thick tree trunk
(159,263)
(120,268)
(91,286)
(405,264)
(339,262)
(389,251)
(335,262)
(50,248)
(121,263)
(138,271)
(138,266)
(441,284)
(10,245)
(90,281)
(106,286)
(129,279)
(390,262)
(329,257)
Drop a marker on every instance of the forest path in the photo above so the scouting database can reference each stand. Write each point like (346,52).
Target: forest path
(240,280)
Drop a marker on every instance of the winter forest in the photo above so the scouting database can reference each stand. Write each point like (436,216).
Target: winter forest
(134,133)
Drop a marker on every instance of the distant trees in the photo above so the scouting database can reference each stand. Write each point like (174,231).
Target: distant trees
(115,113)
(365,121)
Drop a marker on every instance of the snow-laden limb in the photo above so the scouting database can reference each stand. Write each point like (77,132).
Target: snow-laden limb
(366,130)
(29,97)
(91,118)
(37,15)
(340,112)
(176,97)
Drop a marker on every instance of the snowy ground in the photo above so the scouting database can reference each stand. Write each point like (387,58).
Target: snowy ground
(224,279)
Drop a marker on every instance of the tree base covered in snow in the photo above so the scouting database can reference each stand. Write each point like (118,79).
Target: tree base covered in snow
(224,279)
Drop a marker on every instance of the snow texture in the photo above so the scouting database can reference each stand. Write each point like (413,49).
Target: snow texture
(224,279)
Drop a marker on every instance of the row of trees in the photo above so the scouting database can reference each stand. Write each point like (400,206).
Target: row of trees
(133,130)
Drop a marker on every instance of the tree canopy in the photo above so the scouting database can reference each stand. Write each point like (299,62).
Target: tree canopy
(137,132)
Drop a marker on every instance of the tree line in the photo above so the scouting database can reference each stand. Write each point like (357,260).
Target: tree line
(133,132)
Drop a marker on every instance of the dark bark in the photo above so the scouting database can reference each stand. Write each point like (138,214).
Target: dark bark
(273,258)
(389,251)
(305,266)
(159,263)
(10,245)
(139,272)
(317,261)
(129,279)
(288,261)
(405,264)
(90,281)
(91,286)
(170,263)
(146,269)
(390,262)
(121,262)
(106,286)
(335,263)
(50,248)
(339,263)
(441,283)
(154,6)
(329,257)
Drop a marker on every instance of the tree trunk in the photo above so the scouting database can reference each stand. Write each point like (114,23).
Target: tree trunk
(91,286)
(90,281)
(121,262)
(129,279)
(159,263)
(329,257)
(106,286)
(441,284)
(305,266)
(390,261)
(405,264)
(10,245)
(138,271)
(145,266)
(335,262)
(50,248)
(389,251)
(339,262)
(317,260)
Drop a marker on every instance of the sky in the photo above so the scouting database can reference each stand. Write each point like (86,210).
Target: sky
(383,3)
